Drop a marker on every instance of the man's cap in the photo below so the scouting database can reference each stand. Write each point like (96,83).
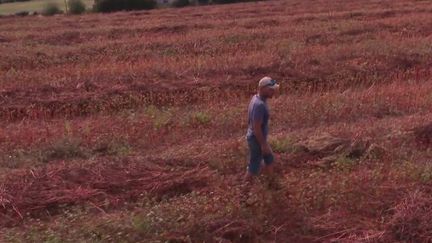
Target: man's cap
(268,82)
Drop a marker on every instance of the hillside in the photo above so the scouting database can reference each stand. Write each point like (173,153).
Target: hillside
(129,127)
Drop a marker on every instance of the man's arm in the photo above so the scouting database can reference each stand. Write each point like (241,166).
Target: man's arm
(265,148)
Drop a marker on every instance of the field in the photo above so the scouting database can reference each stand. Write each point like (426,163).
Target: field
(129,127)
(34,5)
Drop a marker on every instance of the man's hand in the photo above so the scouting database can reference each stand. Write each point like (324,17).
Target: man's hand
(265,149)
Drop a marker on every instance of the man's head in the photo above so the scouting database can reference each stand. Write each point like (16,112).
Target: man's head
(267,87)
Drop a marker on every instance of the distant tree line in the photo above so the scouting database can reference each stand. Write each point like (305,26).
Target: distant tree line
(106,6)
(127,5)
(12,1)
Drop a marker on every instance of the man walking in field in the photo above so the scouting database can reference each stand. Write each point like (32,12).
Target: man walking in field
(258,129)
